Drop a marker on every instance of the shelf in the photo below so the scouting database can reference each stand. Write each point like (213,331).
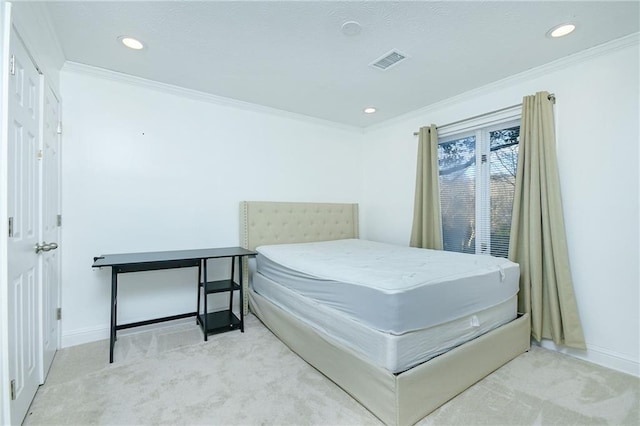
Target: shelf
(220,286)
(223,320)
(219,322)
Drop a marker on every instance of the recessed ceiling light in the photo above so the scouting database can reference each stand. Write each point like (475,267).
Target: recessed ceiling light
(351,28)
(131,42)
(561,30)
(369,110)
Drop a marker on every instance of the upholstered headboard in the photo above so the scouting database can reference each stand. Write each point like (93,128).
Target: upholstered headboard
(267,222)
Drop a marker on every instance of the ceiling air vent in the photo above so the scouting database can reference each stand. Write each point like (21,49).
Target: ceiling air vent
(388,60)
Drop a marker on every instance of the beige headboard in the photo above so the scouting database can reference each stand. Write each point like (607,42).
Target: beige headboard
(267,222)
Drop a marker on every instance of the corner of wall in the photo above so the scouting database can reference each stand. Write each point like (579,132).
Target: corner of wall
(32,22)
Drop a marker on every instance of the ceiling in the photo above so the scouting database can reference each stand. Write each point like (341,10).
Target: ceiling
(293,56)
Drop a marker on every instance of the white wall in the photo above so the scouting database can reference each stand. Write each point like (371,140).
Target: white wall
(597,119)
(146,170)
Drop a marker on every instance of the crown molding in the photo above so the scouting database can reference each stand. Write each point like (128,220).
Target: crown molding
(576,58)
(78,68)
(600,50)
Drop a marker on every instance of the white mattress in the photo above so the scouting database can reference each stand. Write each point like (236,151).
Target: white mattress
(396,353)
(392,289)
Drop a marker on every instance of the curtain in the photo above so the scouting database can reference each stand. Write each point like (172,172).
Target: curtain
(426,231)
(537,240)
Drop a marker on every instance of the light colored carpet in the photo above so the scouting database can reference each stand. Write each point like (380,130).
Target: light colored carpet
(171,376)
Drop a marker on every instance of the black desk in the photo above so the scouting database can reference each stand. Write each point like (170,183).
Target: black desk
(151,261)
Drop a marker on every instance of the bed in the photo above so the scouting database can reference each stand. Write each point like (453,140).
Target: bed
(397,389)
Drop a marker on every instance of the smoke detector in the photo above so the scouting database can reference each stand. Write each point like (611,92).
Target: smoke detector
(388,60)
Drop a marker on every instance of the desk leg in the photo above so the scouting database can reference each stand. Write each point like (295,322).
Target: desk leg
(241,267)
(114,311)
(198,289)
(204,315)
(233,264)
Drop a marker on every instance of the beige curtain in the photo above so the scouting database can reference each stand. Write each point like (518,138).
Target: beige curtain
(538,240)
(427,221)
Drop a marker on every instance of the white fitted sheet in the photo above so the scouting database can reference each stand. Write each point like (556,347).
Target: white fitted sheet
(393,289)
(395,353)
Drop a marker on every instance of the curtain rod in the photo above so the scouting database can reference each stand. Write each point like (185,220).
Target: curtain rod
(551,97)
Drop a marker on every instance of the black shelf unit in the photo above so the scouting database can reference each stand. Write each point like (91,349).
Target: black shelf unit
(224,320)
(219,322)
(221,286)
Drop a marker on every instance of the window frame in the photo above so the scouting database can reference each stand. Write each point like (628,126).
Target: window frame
(480,128)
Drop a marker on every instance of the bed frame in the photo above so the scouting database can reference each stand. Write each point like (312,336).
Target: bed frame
(396,399)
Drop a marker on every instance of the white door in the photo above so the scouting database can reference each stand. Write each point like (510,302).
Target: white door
(50,200)
(23,211)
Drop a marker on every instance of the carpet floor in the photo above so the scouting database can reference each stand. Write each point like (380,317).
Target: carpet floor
(169,375)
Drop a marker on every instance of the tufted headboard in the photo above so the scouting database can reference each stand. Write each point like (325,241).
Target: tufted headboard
(267,222)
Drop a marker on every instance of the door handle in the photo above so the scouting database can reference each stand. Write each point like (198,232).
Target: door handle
(45,247)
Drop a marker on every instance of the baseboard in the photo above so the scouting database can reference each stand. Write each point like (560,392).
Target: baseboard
(93,334)
(597,355)
(84,335)
(88,335)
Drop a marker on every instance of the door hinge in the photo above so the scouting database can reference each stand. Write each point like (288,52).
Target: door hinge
(10,227)
(59,127)
(12,386)
(59,313)
(484,158)
(59,220)
(40,154)
(12,65)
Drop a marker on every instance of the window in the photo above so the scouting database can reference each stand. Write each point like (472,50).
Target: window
(477,171)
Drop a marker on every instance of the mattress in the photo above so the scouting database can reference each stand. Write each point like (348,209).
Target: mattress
(396,353)
(392,289)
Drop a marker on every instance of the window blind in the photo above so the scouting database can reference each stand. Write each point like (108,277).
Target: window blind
(477,182)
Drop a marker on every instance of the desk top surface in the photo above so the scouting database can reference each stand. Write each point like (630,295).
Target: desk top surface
(168,256)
